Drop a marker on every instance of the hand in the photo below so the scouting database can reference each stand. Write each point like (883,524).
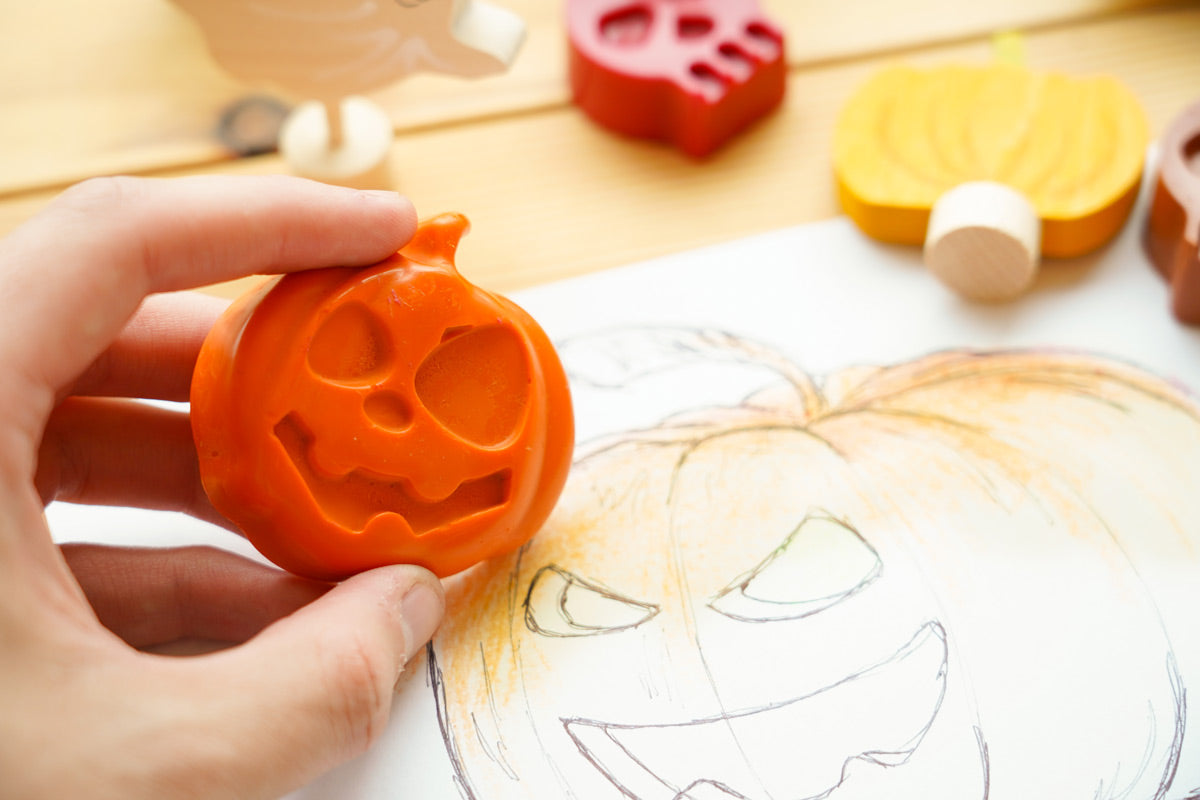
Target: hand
(87,712)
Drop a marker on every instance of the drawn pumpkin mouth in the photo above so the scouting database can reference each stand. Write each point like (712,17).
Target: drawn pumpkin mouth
(894,703)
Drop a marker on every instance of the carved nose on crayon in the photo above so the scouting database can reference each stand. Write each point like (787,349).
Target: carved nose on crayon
(984,241)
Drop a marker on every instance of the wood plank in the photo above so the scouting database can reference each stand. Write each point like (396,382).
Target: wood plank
(127,86)
(551,196)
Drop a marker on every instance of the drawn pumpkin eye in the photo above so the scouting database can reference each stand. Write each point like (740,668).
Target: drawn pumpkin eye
(821,563)
(560,603)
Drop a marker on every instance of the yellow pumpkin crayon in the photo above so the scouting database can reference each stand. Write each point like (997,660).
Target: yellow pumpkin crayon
(1074,146)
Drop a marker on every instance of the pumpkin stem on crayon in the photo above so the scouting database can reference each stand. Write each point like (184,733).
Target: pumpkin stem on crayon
(436,240)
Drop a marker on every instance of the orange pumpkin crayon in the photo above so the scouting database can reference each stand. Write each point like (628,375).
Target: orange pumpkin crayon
(350,418)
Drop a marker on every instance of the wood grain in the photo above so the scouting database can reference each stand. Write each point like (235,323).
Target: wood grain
(551,196)
(128,86)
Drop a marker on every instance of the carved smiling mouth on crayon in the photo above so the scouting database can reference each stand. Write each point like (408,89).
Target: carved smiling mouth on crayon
(353,499)
(895,702)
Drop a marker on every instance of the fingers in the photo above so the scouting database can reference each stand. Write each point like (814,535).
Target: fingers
(155,354)
(104,451)
(82,266)
(154,596)
(311,690)
(316,688)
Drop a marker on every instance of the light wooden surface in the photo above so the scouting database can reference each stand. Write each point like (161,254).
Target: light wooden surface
(127,86)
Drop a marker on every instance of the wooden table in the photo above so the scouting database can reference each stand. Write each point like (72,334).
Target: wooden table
(126,86)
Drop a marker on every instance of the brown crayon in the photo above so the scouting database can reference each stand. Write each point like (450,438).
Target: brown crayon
(1172,235)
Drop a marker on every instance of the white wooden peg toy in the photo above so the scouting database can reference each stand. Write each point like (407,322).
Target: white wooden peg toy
(983,241)
(331,52)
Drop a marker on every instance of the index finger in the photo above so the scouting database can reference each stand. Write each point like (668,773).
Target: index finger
(82,266)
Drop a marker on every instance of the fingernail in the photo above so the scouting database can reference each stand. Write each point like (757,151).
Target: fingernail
(421,610)
(394,199)
(383,194)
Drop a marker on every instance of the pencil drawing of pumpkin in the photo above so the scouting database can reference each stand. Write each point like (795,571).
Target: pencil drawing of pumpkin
(949,578)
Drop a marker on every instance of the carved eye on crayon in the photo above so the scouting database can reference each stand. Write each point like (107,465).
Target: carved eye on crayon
(692,74)
(990,167)
(350,418)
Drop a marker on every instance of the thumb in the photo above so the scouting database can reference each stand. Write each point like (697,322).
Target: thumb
(315,688)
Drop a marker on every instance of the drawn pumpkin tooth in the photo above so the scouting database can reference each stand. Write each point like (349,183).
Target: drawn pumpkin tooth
(1073,147)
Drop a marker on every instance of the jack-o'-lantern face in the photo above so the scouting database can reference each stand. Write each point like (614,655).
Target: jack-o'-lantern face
(351,418)
(769,602)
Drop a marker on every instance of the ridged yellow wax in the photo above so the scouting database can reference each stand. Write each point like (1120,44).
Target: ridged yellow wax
(1074,146)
